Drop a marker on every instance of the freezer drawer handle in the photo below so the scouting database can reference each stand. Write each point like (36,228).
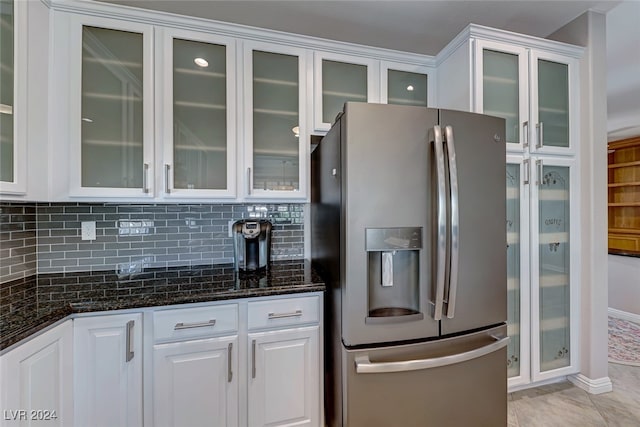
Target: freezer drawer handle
(181,325)
(364,365)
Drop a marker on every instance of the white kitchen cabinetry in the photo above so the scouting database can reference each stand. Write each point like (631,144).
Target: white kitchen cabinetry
(406,84)
(105,126)
(108,370)
(195,380)
(533,84)
(198,127)
(285,365)
(275,134)
(340,78)
(13,98)
(37,380)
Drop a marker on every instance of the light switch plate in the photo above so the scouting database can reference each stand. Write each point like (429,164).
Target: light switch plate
(88,230)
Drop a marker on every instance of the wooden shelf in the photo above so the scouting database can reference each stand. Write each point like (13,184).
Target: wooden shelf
(624,165)
(624,184)
(624,178)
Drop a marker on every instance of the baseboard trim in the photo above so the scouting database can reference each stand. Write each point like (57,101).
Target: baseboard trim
(624,315)
(591,386)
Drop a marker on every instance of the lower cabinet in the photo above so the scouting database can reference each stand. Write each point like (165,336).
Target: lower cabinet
(208,364)
(37,380)
(284,377)
(195,384)
(108,370)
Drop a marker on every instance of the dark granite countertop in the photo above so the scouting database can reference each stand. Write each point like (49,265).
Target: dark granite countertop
(31,304)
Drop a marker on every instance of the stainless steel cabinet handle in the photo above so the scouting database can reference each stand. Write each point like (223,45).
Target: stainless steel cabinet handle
(540,131)
(455,222)
(249,184)
(525,134)
(229,354)
(253,359)
(167,170)
(181,325)
(527,170)
(145,178)
(538,172)
(365,366)
(129,346)
(442,223)
(297,313)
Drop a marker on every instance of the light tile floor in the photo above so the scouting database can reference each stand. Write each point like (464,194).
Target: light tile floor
(564,405)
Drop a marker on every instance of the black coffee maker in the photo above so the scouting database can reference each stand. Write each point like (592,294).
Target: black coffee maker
(251,244)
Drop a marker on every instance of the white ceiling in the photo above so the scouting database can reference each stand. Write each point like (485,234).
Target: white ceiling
(426,26)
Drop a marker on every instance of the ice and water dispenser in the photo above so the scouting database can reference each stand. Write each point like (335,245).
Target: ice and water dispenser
(393,274)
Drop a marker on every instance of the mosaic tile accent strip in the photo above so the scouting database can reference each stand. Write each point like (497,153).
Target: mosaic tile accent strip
(17,240)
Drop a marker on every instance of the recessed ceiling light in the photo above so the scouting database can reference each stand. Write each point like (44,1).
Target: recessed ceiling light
(410,88)
(201,62)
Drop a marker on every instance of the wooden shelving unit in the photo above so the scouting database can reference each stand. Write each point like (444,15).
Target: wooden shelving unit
(624,196)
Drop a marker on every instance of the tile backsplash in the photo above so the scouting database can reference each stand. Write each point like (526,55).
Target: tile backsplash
(46,237)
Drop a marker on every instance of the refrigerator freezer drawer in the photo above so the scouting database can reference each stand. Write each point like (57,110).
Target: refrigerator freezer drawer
(454,382)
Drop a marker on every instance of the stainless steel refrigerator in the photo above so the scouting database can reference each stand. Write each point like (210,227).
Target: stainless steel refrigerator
(408,230)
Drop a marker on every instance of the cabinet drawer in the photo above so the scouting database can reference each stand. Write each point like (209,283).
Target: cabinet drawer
(178,324)
(284,312)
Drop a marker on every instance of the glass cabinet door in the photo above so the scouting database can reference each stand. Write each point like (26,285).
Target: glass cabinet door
(13,62)
(340,79)
(514,292)
(112,108)
(405,84)
(553,102)
(275,122)
(504,89)
(199,128)
(7,142)
(554,266)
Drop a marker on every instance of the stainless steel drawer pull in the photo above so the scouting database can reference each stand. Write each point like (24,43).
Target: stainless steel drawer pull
(253,358)
(129,344)
(229,359)
(181,325)
(297,313)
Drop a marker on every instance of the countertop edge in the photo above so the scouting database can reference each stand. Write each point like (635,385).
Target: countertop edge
(54,319)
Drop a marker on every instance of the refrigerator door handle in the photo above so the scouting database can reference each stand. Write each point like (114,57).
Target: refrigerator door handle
(455,222)
(365,366)
(442,223)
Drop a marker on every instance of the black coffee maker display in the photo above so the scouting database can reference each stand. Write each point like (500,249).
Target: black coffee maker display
(252,244)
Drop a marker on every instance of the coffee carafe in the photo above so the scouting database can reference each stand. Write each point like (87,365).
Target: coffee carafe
(251,244)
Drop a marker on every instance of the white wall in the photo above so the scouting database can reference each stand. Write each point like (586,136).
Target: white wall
(589,30)
(624,284)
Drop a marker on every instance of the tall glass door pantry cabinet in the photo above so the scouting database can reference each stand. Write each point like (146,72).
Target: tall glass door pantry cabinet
(533,84)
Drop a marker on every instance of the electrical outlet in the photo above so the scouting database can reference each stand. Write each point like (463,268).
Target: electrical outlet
(88,230)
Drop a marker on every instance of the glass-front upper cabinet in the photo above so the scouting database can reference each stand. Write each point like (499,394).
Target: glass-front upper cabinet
(405,84)
(276,146)
(111,108)
(554,304)
(339,79)
(199,117)
(13,97)
(517,271)
(536,93)
(503,88)
(554,100)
